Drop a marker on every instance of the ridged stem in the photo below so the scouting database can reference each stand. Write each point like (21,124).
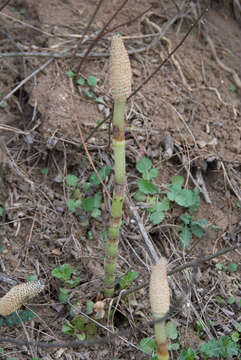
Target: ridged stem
(161,338)
(118,142)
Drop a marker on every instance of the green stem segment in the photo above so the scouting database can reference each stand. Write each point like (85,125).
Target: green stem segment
(161,338)
(111,251)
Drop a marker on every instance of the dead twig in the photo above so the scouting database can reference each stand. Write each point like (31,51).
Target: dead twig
(4,5)
(35,72)
(101,33)
(91,161)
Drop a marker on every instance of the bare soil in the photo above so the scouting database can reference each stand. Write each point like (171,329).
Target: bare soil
(194,99)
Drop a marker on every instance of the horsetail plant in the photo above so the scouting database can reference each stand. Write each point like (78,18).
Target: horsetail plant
(18,295)
(160,303)
(120,86)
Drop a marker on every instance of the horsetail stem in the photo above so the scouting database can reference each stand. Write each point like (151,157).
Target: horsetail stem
(160,303)
(120,85)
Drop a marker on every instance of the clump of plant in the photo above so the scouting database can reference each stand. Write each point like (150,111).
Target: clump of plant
(188,199)
(86,86)
(160,302)
(68,277)
(84,201)
(120,84)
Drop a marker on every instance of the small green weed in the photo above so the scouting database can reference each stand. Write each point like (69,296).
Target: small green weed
(188,199)
(17,317)
(222,348)
(81,327)
(183,197)
(232,267)
(64,273)
(226,347)
(3,104)
(145,185)
(82,205)
(87,86)
(128,279)
(189,227)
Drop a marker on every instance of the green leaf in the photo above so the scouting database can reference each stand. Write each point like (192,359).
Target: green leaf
(232,267)
(80,81)
(3,104)
(67,328)
(89,307)
(211,349)
(173,346)
(89,204)
(139,196)
(148,345)
(15,319)
(70,74)
(63,272)
(1,211)
(88,93)
(219,266)
(44,171)
(72,180)
(233,88)
(96,213)
(197,230)
(73,282)
(153,173)
(237,326)
(238,204)
(196,201)
(100,100)
(186,218)
(188,354)
(235,336)
(157,217)
(92,81)
(63,295)
(231,300)
(184,198)
(185,237)
(171,330)
(103,173)
(219,299)
(1,321)
(161,206)
(147,187)
(144,164)
(178,181)
(71,204)
(128,278)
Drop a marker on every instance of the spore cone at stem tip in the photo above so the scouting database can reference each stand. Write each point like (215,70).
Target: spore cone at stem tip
(159,288)
(18,295)
(120,70)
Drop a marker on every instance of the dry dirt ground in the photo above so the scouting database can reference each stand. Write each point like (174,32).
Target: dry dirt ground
(194,99)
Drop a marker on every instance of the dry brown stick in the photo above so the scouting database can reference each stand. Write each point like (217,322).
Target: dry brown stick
(4,5)
(169,56)
(231,71)
(101,33)
(87,27)
(91,161)
(142,229)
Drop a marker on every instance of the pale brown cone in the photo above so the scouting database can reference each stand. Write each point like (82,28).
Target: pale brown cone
(120,70)
(18,295)
(159,288)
